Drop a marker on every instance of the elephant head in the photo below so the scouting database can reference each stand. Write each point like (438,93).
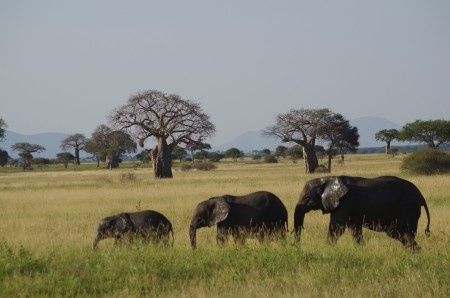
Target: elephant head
(112,227)
(207,214)
(322,193)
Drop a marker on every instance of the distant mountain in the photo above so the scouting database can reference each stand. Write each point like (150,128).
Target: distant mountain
(367,127)
(50,140)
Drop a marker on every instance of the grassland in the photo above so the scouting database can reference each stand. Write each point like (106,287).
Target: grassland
(47,220)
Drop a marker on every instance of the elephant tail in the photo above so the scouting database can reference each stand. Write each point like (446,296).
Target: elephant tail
(427,230)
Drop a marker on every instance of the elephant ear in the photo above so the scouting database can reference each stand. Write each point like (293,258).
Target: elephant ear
(123,223)
(334,190)
(219,212)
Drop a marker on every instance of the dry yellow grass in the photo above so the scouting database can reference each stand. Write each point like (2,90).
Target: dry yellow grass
(53,215)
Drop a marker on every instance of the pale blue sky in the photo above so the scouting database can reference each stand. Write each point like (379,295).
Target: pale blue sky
(65,66)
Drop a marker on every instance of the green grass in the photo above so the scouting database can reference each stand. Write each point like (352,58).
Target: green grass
(47,220)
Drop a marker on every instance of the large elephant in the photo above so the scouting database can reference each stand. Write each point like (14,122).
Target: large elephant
(259,214)
(386,204)
(149,224)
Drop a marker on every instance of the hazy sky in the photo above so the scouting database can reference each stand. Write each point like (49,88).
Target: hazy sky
(65,66)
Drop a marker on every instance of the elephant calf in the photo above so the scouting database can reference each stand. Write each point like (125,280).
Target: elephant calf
(148,224)
(259,214)
(386,204)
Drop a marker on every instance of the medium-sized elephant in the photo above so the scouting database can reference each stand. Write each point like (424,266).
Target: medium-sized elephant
(149,225)
(259,214)
(386,204)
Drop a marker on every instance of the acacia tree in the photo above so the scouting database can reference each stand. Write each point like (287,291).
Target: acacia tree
(65,158)
(339,135)
(119,143)
(301,127)
(434,133)
(98,142)
(198,146)
(387,136)
(77,142)
(109,145)
(25,152)
(233,153)
(167,118)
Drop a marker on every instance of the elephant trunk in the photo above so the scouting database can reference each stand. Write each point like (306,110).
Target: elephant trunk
(193,236)
(299,217)
(96,241)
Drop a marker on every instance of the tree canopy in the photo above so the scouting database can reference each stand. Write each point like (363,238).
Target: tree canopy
(167,118)
(434,133)
(65,158)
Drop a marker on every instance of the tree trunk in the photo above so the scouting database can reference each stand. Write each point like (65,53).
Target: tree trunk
(162,159)
(77,156)
(311,162)
(98,161)
(388,147)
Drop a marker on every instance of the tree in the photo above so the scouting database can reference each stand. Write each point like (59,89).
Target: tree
(295,152)
(2,129)
(109,145)
(119,143)
(65,158)
(434,133)
(4,157)
(340,136)
(215,156)
(201,147)
(167,118)
(25,152)
(265,151)
(387,136)
(301,127)
(233,153)
(77,142)
(179,153)
(98,143)
(280,151)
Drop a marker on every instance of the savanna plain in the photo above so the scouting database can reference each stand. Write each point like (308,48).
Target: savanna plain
(48,217)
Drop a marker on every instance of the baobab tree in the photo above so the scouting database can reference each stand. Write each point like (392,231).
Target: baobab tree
(301,126)
(167,118)
(77,142)
(387,136)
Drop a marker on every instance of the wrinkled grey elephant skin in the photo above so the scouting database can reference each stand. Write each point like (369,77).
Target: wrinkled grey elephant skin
(149,225)
(259,214)
(385,204)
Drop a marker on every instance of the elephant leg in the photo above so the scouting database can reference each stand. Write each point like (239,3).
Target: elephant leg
(222,236)
(356,227)
(338,222)
(335,231)
(239,236)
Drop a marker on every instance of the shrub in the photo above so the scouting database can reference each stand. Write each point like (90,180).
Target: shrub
(204,165)
(427,161)
(321,169)
(269,158)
